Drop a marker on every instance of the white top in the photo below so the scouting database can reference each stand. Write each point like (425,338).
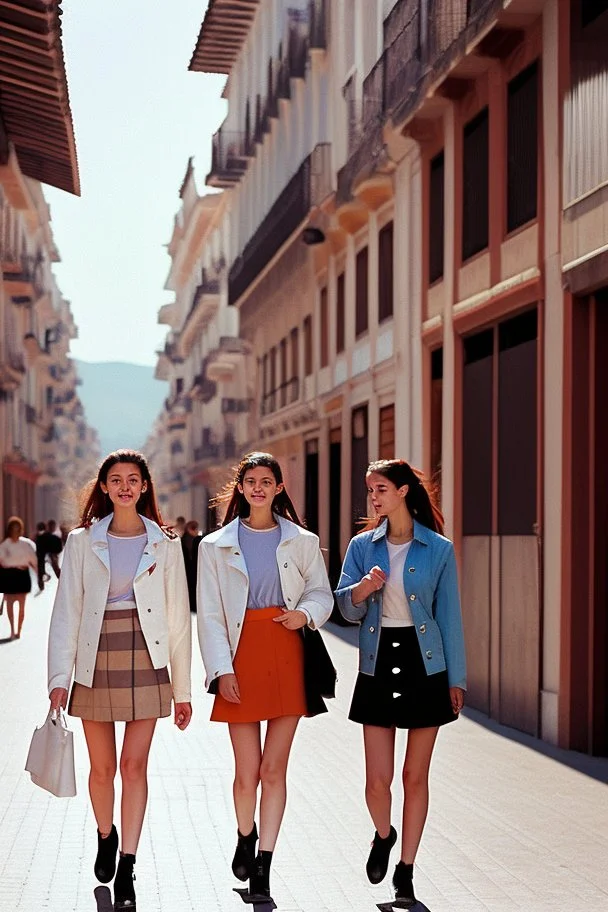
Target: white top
(21,553)
(125,555)
(394,603)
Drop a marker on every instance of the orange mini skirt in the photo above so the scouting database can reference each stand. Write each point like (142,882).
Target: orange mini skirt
(269,668)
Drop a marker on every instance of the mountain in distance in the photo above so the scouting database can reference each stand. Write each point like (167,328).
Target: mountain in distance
(121,401)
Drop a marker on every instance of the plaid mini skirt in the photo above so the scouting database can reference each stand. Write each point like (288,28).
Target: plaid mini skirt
(126,686)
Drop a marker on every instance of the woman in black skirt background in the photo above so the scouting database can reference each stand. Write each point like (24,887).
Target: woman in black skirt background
(17,557)
(399,581)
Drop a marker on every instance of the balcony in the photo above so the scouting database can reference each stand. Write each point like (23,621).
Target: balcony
(205,303)
(415,58)
(285,394)
(228,159)
(216,450)
(235,406)
(223,361)
(31,415)
(36,353)
(23,279)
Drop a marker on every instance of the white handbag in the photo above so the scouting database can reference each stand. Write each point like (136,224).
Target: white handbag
(50,759)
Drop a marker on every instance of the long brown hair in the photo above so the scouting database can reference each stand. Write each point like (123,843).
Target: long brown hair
(237,502)
(96,504)
(421,498)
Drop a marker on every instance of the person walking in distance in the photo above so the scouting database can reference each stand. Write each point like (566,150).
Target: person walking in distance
(55,546)
(120,618)
(191,539)
(261,579)
(41,542)
(17,557)
(399,582)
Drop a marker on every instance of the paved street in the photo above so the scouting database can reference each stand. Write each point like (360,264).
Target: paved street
(511,826)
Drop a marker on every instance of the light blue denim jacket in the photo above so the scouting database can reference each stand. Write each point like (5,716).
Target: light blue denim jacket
(430,582)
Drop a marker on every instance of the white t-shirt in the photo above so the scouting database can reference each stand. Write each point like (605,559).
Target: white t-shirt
(20,553)
(395,608)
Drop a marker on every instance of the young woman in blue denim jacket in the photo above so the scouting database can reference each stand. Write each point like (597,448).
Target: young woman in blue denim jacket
(399,582)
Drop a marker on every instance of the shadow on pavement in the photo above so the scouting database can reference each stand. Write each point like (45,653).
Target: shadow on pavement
(5,640)
(594,767)
(103,898)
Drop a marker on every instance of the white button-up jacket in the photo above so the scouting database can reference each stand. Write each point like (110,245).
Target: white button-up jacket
(223,589)
(161,595)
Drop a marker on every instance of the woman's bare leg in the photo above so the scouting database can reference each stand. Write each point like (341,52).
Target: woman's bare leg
(9,601)
(101,744)
(246,745)
(420,744)
(21,602)
(379,769)
(273,775)
(134,774)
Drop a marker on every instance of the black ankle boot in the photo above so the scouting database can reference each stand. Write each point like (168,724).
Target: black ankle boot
(105,863)
(124,891)
(403,883)
(377,863)
(259,880)
(244,855)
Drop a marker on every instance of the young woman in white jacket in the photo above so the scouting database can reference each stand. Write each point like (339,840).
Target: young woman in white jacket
(121,615)
(261,578)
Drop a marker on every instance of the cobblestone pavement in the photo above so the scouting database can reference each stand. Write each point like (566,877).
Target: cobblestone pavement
(513,824)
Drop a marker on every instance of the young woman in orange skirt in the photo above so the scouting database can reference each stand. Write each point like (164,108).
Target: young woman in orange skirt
(261,578)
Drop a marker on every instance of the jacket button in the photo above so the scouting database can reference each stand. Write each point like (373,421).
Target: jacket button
(288,599)
(284,565)
(149,611)
(411,569)
(412,598)
(372,629)
(237,553)
(423,628)
(157,643)
(429,654)
(371,656)
(238,623)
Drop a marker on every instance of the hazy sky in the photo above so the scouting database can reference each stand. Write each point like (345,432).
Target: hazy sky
(138,115)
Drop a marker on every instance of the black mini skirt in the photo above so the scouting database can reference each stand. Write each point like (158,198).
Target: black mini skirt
(400,694)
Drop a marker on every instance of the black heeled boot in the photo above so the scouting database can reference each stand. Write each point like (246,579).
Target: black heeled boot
(259,880)
(377,863)
(105,863)
(244,855)
(124,891)
(403,882)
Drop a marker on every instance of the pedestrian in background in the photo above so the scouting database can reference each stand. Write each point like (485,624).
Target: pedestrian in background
(191,539)
(180,525)
(261,579)
(55,546)
(17,557)
(399,582)
(120,617)
(41,543)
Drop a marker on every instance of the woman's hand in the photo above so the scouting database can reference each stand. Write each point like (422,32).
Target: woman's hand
(373,581)
(182,714)
(59,698)
(229,688)
(292,620)
(457,699)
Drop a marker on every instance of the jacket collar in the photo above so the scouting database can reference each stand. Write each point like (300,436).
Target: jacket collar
(421,533)
(228,536)
(99,542)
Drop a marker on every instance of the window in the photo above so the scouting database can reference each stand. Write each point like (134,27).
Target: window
(340,314)
(522,148)
(359,464)
(386,449)
(385,273)
(273,379)
(475,186)
(361,308)
(295,364)
(308,346)
(179,386)
(436,223)
(283,359)
(436,414)
(324,328)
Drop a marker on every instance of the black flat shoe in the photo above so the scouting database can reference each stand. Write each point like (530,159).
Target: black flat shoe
(377,863)
(105,863)
(124,891)
(244,855)
(403,882)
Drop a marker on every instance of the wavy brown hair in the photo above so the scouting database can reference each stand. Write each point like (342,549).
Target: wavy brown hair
(237,502)
(11,522)
(95,504)
(421,499)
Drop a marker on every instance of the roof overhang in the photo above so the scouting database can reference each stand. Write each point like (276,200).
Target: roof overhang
(222,35)
(35,110)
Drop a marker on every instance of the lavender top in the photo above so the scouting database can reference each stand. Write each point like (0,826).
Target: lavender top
(259,549)
(125,555)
